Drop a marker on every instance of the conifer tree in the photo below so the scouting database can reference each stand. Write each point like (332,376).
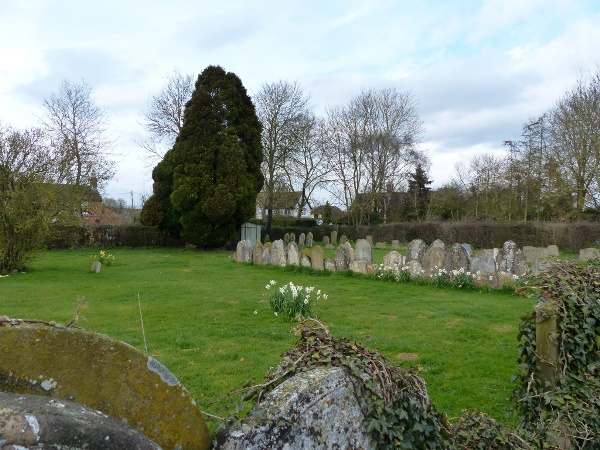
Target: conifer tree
(418,193)
(206,185)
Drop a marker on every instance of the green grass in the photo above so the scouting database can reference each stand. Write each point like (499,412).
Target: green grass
(208,320)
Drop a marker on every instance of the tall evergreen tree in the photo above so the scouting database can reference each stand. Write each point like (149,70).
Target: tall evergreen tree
(418,193)
(206,185)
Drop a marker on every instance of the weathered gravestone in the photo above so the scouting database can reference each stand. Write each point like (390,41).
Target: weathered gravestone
(363,251)
(511,260)
(381,245)
(415,250)
(96,266)
(457,260)
(292,237)
(553,250)
(301,239)
(369,239)
(483,263)
(334,236)
(266,253)
(414,268)
(343,239)
(439,244)
(468,249)
(393,261)
(257,254)
(395,244)
(349,251)
(102,374)
(330,264)
(588,253)
(286,238)
(314,410)
(243,251)
(293,254)
(36,422)
(358,267)
(305,261)
(532,253)
(309,239)
(434,260)
(325,240)
(278,253)
(317,256)
(342,258)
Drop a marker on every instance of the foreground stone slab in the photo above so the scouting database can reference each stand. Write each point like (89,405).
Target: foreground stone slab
(314,410)
(103,374)
(33,422)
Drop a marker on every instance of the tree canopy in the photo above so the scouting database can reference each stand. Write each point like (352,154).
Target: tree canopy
(206,185)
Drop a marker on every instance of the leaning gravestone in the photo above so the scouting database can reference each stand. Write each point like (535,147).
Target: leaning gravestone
(511,260)
(309,239)
(313,410)
(434,260)
(293,254)
(102,374)
(317,256)
(301,239)
(278,253)
(363,251)
(415,250)
(334,234)
(342,260)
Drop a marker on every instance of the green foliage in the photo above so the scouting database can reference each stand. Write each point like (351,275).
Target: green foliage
(570,292)
(206,185)
(397,410)
(480,432)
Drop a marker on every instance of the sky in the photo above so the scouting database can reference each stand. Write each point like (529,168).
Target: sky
(478,70)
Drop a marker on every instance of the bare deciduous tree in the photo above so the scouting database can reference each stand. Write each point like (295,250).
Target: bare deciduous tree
(281,107)
(163,117)
(77,131)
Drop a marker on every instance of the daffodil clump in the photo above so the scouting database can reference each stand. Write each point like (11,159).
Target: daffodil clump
(291,301)
(104,258)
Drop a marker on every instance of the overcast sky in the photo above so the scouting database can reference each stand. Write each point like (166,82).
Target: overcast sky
(478,69)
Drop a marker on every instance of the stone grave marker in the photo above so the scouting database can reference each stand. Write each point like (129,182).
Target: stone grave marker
(334,235)
(363,251)
(381,245)
(96,266)
(266,253)
(415,250)
(468,249)
(369,239)
(286,238)
(553,250)
(330,264)
(325,240)
(278,253)
(434,260)
(359,267)
(309,239)
(317,256)
(343,239)
(102,374)
(483,263)
(588,253)
(292,237)
(395,244)
(457,259)
(393,261)
(293,254)
(257,254)
(243,252)
(305,261)
(439,244)
(342,260)
(511,259)
(414,268)
(301,239)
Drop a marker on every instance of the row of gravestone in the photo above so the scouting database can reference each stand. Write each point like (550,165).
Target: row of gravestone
(420,259)
(307,240)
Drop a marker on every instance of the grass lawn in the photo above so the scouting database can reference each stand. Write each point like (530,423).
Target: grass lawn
(208,320)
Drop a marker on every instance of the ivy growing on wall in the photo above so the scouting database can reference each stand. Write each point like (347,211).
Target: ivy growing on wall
(566,412)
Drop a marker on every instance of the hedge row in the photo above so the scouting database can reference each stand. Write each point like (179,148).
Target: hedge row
(569,237)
